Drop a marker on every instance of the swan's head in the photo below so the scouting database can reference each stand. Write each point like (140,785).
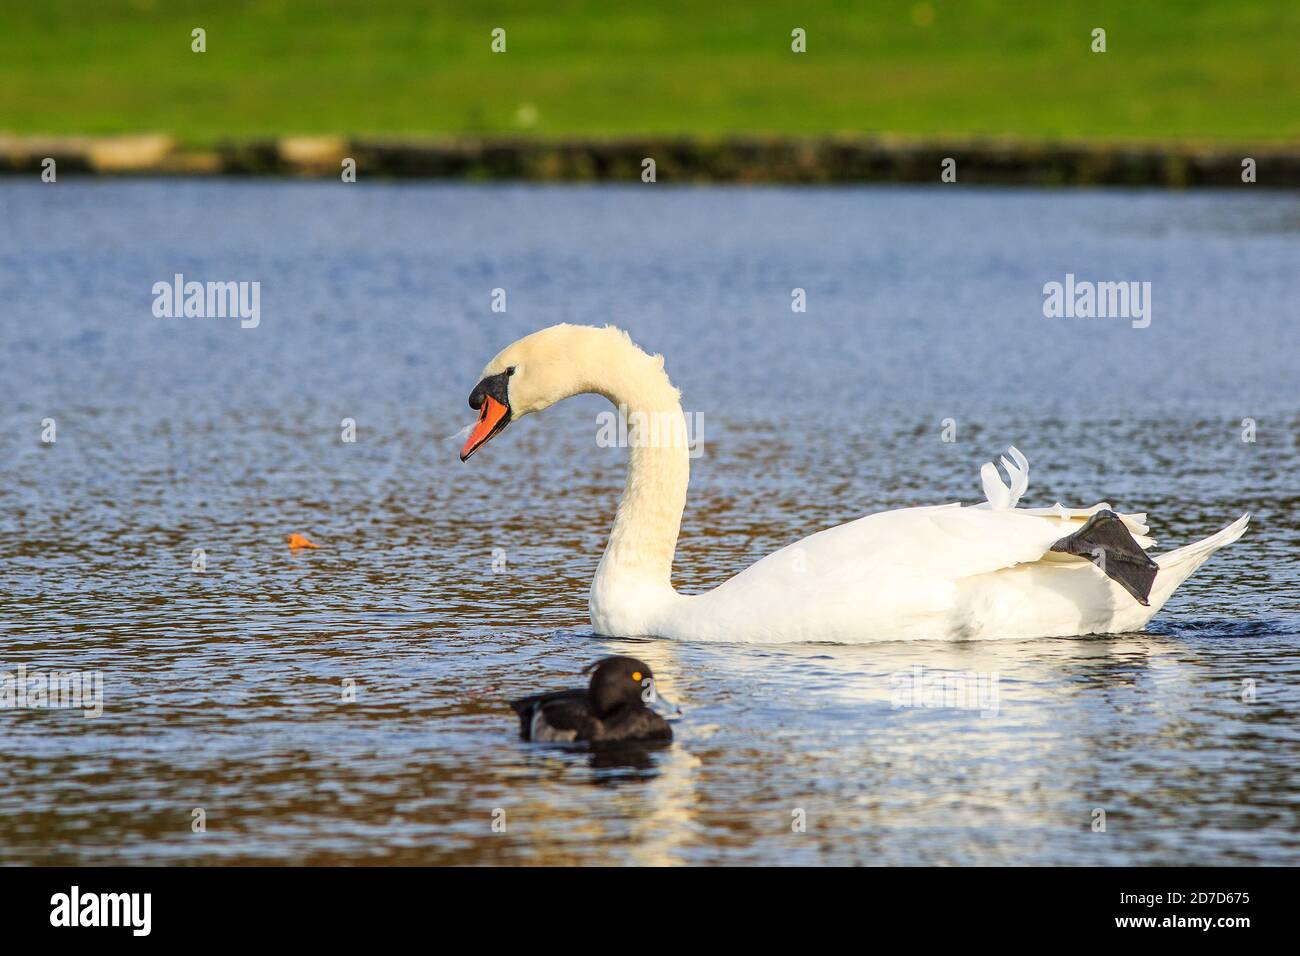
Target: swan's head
(541,369)
(525,377)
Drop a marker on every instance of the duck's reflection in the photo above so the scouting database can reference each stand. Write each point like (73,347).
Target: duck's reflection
(633,755)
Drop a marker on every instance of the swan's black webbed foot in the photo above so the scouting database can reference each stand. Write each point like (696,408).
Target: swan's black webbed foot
(1105,542)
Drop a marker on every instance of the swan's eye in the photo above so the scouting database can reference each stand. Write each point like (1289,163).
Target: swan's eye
(636,675)
(510,370)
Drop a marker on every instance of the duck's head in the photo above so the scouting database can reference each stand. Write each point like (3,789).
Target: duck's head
(622,681)
(541,369)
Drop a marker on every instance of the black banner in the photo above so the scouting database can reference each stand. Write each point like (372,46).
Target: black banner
(531,905)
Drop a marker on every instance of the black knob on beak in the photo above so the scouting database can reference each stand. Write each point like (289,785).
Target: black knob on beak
(494,386)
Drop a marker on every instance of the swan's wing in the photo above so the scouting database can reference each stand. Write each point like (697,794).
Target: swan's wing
(914,548)
(1071,520)
(947,541)
(902,571)
(944,542)
(911,571)
(893,569)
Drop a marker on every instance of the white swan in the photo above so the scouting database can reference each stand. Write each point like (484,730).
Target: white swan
(947,571)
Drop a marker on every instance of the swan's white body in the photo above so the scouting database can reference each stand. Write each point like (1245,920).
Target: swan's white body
(939,572)
(946,571)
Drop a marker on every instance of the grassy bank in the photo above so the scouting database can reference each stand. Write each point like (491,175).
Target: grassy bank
(1177,69)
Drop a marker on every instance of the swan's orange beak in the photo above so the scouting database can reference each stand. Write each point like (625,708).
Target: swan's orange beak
(492,417)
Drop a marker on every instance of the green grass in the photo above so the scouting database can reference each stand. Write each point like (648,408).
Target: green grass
(1175,69)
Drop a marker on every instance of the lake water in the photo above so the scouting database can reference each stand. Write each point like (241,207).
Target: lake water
(442,589)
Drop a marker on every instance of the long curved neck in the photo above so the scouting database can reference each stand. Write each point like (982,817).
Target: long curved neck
(649,516)
(637,564)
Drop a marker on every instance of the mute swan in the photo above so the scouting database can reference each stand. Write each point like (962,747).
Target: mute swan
(946,571)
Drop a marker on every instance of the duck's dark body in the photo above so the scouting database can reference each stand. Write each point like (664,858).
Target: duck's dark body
(574,715)
(567,715)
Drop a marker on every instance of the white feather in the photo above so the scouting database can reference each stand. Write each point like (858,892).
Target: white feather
(1018,473)
(998,494)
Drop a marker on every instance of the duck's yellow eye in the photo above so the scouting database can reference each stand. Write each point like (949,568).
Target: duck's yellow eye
(636,675)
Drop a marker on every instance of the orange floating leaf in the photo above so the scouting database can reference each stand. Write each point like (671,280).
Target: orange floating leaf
(297,540)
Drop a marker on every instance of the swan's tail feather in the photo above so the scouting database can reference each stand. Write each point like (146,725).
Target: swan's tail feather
(1180,564)
(1198,551)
